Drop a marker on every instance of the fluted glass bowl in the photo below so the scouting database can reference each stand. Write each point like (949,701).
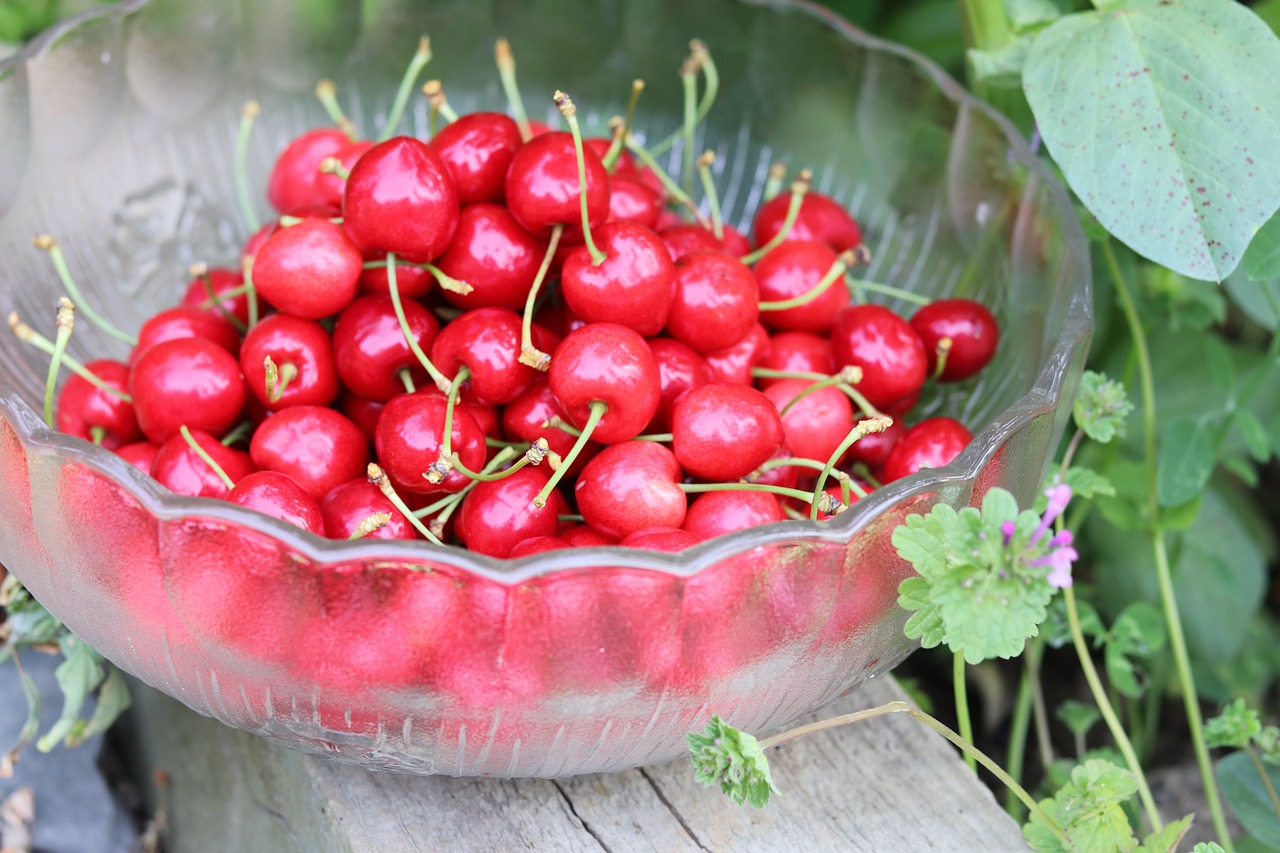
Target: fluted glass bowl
(117,133)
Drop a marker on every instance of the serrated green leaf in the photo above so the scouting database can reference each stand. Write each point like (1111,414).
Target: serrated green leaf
(1101,407)
(733,760)
(925,623)
(1185,460)
(987,616)
(1167,839)
(998,506)
(1087,483)
(1235,726)
(1089,810)
(1253,434)
(1208,847)
(1262,258)
(1079,717)
(1247,795)
(1162,116)
(921,540)
(1138,632)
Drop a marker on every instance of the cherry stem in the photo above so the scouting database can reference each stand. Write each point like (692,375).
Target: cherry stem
(705,162)
(442,382)
(668,183)
(570,112)
(529,354)
(798,494)
(446,281)
(331,166)
(861,285)
(226,296)
(46,243)
(941,350)
(826,382)
(278,378)
(379,478)
(597,410)
(847,484)
(406,379)
(862,428)
(610,158)
(246,269)
(241,431)
(370,525)
(533,455)
(201,271)
(697,52)
(507,72)
(689,125)
(66,320)
(205,457)
(97,434)
(248,113)
(859,400)
(400,263)
(830,277)
(799,187)
(439,104)
(421,57)
(498,459)
(440,468)
(327,94)
(776,178)
(28,335)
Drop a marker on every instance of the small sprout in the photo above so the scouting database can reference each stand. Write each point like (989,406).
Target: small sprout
(734,761)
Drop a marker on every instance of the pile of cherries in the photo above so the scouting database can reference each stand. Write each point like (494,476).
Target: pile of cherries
(514,339)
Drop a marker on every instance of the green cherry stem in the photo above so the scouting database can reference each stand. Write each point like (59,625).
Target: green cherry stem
(500,458)
(506,63)
(705,162)
(370,525)
(332,166)
(406,379)
(446,281)
(824,502)
(442,382)
(849,375)
(246,269)
(533,455)
(440,468)
(201,271)
(379,478)
(668,183)
(830,277)
(862,428)
(240,432)
(48,244)
(858,285)
(438,103)
(278,378)
(248,113)
(689,126)
(597,410)
(799,187)
(775,180)
(618,142)
(565,104)
(205,457)
(420,58)
(327,95)
(66,322)
(226,295)
(28,335)
(530,355)
(711,78)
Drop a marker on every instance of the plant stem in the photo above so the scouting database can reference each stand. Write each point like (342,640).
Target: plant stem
(985,25)
(1177,641)
(1266,778)
(1108,712)
(962,705)
(899,707)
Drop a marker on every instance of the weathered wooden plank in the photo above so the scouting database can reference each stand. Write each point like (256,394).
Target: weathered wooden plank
(886,784)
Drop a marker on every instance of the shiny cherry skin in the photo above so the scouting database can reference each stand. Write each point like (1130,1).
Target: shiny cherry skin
(792,270)
(892,356)
(363,413)
(476,151)
(679,369)
(190,381)
(277,495)
(682,238)
(523,419)
(140,454)
(495,255)
(821,218)
(817,423)
(83,408)
(542,187)
(292,184)
(630,486)
(931,443)
(586,536)
(612,364)
(311,269)
(180,469)
(369,348)
(669,540)
(185,321)
(634,286)
(290,340)
(718,513)
(316,446)
(734,363)
(497,515)
(409,436)
(724,431)
(632,200)
(537,545)
(399,198)
(221,280)
(972,329)
(716,301)
(796,352)
(412,281)
(329,186)
(347,505)
(487,341)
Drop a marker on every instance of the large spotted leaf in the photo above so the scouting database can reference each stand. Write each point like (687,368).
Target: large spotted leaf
(1164,116)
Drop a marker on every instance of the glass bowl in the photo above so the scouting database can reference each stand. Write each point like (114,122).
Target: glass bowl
(118,131)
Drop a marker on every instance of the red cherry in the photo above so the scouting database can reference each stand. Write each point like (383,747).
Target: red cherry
(631,486)
(783,475)
(348,505)
(667,539)
(496,515)
(523,419)
(487,341)
(821,219)
(679,369)
(685,237)
(477,150)
(274,494)
(292,184)
(409,437)
(84,409)
(495,255)
(716,301)
(893,359)
(329,186)
(399,198)
(363,413)
(412,281)
(791,270)
(796,352)
(317,447)
(586,536)
(189,381)
(311,269)
(542,187)
(969,326)
(612,364)
(220,281)
(179,468)
(255,242)
(299,348)
(718,513)
(369,347)
(734,363)
(724,431)
(632,200)
(931,443)
(817,423)
(140,454)
(185,322)
(537,545)
(634,286)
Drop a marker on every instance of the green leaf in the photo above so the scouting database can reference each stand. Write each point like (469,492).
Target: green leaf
(1078,716)
(1101,407)
(1162,115)
(78,675)
(1089,809)
(733,760)
(1185,460)
(1236,726)
(1246,793)
(1253,434)
(986,615)
(1087,483)
(922,539)
(1187,304)
(1218,360)
(998,506)
(1208,847)
(30,728)
(926,623)
(113,700)
(1138,632)
(1262,258)
(1242,467)
(1025,15)
(1254,298)
(1167,839)
(1056,630)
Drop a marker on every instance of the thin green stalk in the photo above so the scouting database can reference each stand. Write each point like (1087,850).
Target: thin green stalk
(887,290)
(1168,600)
(985,24)
(420,58)
(46,243)
(66,323)
(1017,749)
(248,113)
(965,724)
